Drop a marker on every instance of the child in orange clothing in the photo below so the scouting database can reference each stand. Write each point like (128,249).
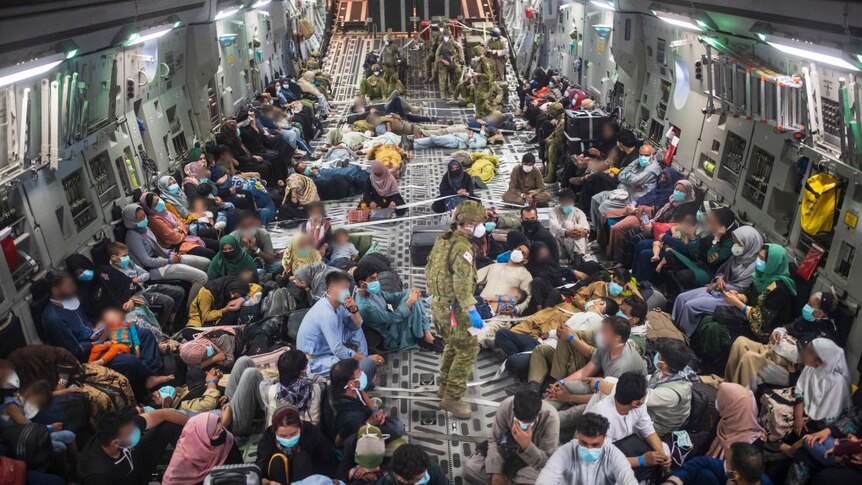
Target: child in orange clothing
(120,337)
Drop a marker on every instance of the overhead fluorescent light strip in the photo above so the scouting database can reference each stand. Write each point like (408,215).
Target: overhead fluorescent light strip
(149,35)
(223,14)
(261,3)
(686,24)
(14,74)
(820,54)
(602,4)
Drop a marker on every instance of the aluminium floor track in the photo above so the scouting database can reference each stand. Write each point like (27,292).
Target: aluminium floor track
(409,369)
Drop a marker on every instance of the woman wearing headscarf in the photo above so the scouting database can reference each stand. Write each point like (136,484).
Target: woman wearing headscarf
(172,233)
(175,199)
(737,411)
(823,389)
(291,450)
(229,136)
(752,363)
(145,251)
(767,303)
(306,83)
(456,185)
(311,279)
(230,260)
(300,253)
(709,251)
(735,274)
(300,191)
(204,444)
(681,202)
(219,302)
(382,190)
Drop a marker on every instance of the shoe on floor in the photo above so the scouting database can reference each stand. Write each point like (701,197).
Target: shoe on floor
(457,407)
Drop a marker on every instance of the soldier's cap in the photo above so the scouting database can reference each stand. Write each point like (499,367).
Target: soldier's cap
(387,37)
(443,24)
(555,109)
(375,67)
(315,53)
(470,212)
(478,50)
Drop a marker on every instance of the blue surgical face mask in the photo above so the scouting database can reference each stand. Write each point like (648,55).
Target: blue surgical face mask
(380,129)
(655,360)
(363,380)
(124,261)
(678,195)
(135,437)
(808,313)
(568,209)
(373,287)
(168,391)
(588,304)
(622,315)
(287,442)
(210,351)
(425,479)
(302,252)
(174,189)
(524,426)
(142,224)
(86,275)
(160,206)
(699,217)
(343,294)
(589,455)
(614,288)
(204,180)
(490,226)
(644,160)
(760,265)
(307,171)
(237,132)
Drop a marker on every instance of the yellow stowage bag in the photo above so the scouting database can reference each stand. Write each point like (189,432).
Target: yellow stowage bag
(819,203)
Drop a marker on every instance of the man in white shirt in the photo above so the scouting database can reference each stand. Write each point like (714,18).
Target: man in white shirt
(590,459)
(631,428)
(570,228)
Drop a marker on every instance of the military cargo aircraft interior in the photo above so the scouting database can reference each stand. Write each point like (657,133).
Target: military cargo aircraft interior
(423,242)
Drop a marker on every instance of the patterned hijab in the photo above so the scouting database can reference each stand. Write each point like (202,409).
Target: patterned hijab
(147,203)
(306,191)
(178,200)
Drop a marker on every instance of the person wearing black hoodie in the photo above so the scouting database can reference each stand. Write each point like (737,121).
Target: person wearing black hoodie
(534,231)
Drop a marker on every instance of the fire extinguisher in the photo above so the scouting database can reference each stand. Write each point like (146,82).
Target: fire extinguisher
(671,150)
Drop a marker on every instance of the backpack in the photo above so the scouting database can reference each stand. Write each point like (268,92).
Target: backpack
(660,325)
(702,413)
(240,474)
(819,204)
(278,302)
(293,323)
(30,443)
(776,412)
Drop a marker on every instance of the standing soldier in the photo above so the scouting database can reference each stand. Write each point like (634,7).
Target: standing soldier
(451,271)
(497,48)
(430,59)
(374,86)
(555,144)
(450,59)
(487,95)
(391,60)
(480,63)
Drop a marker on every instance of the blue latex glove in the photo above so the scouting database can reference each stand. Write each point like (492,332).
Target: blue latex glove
(475,319)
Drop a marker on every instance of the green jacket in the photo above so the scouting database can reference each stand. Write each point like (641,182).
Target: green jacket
(451,269)
(450,51)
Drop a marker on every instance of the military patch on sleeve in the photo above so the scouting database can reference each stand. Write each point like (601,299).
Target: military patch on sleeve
(468,257)
(712,257)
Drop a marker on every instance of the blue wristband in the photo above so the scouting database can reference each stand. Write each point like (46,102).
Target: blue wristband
(641,461)
(50,428)
(571,337)
(745,309)
(212,381)
(596,385)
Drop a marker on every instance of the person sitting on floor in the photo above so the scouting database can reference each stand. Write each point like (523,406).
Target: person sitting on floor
(382,191)
(525,433)
(406,326)
(290,450)
(570,228)
(743,466)
(526,186)
(456,185)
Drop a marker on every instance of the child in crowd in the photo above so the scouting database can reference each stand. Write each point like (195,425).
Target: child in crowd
(505,304)
(342,249)
(21,408)
(121,337)
(206,224)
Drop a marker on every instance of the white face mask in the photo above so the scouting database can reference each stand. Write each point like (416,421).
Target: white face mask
(71,303)
(30,410)
(517,256)
(737,249)
(445,38)
(479,230)
(527,168)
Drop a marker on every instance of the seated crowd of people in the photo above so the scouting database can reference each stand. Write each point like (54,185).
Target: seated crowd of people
(163,355)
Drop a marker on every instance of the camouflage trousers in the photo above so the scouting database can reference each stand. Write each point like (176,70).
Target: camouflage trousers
(459,353)
(448,79)
(553,151)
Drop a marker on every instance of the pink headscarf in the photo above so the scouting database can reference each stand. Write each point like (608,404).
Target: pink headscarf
(191,172)
(194,455)
(194,351)
(165,214)
(382,180)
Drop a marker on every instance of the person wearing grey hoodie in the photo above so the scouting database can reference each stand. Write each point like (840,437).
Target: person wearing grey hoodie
(161,263)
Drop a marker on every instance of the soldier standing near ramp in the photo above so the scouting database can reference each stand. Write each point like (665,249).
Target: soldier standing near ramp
(497,49)
(431,58)
(391,59)
(450,59)
(451,271)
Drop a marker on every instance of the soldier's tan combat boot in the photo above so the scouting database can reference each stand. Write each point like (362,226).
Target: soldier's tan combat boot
(456,406)
(441,390)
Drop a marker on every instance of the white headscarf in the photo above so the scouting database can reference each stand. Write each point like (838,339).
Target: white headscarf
(825,389)
(738,270)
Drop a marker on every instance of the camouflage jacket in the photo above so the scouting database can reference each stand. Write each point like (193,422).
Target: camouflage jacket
(451,269)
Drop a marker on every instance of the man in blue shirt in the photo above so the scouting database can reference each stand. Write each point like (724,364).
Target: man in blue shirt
(744,466)
(332,330)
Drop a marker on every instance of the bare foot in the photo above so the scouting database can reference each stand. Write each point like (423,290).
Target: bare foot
(428,337)
(153,382)
(226,416)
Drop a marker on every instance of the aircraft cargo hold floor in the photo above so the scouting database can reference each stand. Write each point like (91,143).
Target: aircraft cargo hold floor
(405,373)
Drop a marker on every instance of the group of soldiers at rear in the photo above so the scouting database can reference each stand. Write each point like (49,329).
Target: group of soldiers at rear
(478,87)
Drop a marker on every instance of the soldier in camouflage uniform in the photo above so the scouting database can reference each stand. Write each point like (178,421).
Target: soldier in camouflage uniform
(497,49)
(450,60)
(430,59)
(451,272)
(480,64)
(391,58)
(555,144)
(487,95)
(374,86)
(465,92)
